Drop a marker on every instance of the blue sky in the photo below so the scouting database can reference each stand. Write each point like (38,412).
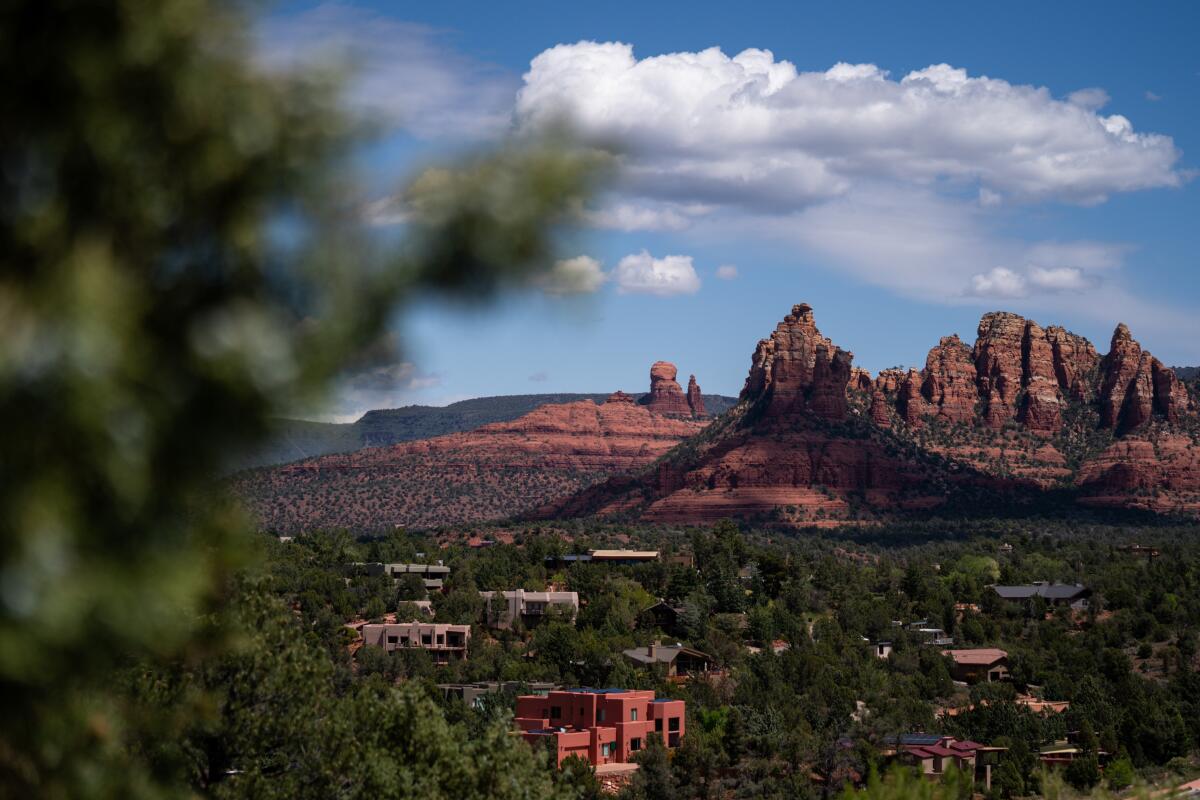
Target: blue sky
(1047,169)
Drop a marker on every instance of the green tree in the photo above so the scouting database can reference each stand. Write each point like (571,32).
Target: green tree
(1119,774)
(653,780)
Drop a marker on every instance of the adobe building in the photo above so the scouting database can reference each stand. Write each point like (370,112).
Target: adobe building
(442,642)
(529,607)
(605,726)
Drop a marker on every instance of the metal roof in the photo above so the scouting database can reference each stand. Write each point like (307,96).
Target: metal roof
(1050,591)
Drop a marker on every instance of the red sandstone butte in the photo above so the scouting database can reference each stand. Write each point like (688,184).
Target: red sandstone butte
(798,370)
(948,384)
(666,396)
(695,400)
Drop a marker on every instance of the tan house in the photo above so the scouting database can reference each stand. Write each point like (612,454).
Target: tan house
(985,664)
(623,556)
(529,607)
(442,642)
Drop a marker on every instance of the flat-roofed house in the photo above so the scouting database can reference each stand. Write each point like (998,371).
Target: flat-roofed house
(605,726)
(623,556)
(675,661)
(1058,594)
(528,607)
(442,642)
(432,575)
(979,665)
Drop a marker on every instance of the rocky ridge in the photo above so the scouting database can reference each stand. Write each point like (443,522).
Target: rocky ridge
(493,472)
(1023,415)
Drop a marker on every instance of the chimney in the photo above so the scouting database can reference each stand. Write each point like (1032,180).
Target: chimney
(651,648)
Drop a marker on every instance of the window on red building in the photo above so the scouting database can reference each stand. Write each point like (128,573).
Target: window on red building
(673,724)
(633,714)
(555,712)
(635,745)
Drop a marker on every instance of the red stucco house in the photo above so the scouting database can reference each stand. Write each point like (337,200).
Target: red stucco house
(605,726)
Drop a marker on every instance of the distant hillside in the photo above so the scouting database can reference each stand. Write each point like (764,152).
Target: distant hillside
(493,472)
(1187,373)
(299,439)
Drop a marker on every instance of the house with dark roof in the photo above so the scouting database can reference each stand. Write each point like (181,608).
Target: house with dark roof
(1058,594)
(675,661)
(978,665)
(667,618)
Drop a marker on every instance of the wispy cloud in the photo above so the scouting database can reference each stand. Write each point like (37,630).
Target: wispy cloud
(405,74)
(727,272)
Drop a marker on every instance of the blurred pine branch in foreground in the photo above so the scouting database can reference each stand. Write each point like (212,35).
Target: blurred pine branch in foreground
(182,258)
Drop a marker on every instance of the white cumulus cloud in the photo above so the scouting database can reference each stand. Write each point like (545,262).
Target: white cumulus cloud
(641,273)
(751,131)
(998,282)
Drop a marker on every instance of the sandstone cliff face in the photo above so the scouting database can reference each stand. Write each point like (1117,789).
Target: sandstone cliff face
(949,380)
(998,366)
(1041,410)
(1160,474)
(666,396)
(1135,385)
(798,370)
(910,404)
(860,380)
(888,382)
(695,400)
(1075,359)
(1018,371)
(1171,397)
(879,408)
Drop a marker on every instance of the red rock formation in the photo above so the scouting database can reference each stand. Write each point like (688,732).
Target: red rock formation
(889,380)
(695,400)
(1127,386)
(998,367)
(1075,360)
(910,405)
(879,408)
(1161,475)
(1171,398)
(796,366)
(619,397)
(1041,410)
(948,384)
(492,472)
(860,380)
(666,396)
(779,459)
